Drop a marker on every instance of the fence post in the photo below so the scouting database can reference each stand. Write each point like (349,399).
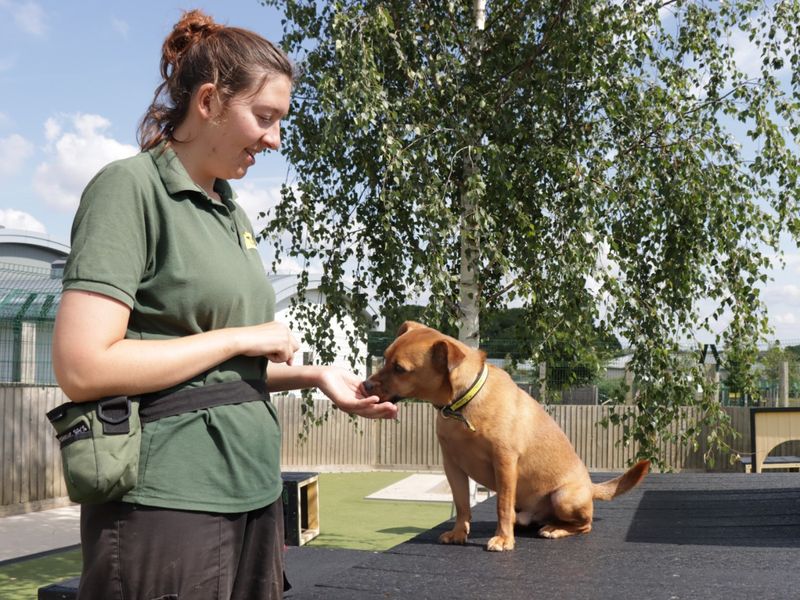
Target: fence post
(628,384)
(712,376)
(783,384)
(543,382)
(377,431)
(27,370)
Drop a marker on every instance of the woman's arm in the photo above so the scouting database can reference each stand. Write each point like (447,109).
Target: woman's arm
(341,386)
(92,358)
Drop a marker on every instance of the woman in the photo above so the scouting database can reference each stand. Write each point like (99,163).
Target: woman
(165,292)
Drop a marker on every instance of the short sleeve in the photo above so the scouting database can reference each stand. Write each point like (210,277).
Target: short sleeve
(109,235)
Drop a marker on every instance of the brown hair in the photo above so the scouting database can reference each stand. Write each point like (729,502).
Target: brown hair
(199,51)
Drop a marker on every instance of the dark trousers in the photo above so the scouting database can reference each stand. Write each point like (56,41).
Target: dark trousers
(133,552)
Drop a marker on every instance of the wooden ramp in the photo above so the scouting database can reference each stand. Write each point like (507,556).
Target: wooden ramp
(769,428)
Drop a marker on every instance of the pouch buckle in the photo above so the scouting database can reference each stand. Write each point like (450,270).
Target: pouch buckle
(115,414)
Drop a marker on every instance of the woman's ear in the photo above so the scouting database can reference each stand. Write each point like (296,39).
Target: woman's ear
(207,102)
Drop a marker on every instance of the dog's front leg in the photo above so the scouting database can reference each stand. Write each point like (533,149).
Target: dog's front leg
(505,472)
(459,487)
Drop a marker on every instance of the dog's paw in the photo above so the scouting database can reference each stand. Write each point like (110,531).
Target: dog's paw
(554,532)
(500,543)
(551,532)
(453,537)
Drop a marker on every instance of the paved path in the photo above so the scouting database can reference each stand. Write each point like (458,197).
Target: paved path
(38,532)
(34,533)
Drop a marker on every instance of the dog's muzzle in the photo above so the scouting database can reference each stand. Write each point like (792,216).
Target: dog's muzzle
(370,387)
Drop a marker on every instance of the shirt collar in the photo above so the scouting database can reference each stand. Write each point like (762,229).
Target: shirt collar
(176,179)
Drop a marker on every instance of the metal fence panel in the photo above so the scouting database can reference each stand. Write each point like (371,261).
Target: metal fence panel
(29,298)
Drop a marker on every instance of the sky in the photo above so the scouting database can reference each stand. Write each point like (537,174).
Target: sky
(76,78)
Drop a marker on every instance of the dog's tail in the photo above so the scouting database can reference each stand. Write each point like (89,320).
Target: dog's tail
(628,480)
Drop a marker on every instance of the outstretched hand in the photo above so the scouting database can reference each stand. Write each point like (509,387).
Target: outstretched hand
(345,390)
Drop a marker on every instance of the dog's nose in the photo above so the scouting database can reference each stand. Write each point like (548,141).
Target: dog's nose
(369,386)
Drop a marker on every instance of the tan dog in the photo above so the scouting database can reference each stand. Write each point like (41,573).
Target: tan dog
(496,434)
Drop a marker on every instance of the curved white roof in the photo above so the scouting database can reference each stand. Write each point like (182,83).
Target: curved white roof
(32,238)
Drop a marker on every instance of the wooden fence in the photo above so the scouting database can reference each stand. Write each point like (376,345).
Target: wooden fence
(30,466)
(410,442)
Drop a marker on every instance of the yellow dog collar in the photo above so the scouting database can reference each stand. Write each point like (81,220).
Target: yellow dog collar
(451,410)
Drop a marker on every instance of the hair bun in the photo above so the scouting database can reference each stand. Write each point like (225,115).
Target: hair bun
(193,26)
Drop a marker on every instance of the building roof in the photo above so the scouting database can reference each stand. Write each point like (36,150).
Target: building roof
(32,238)
(285,286)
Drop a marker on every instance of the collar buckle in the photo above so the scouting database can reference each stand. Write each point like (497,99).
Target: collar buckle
(451,411)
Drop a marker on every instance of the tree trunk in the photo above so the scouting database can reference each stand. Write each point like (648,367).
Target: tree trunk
(469,292)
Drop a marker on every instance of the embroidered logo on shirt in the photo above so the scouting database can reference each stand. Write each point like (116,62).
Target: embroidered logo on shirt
(249,241)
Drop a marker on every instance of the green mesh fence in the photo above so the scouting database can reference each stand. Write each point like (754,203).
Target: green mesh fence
(29,299)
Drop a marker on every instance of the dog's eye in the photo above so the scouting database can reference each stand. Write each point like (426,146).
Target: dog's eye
(399,368)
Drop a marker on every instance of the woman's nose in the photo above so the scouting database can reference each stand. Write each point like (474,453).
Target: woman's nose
(272,137)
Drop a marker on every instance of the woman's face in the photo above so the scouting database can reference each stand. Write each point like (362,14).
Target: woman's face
(249,124)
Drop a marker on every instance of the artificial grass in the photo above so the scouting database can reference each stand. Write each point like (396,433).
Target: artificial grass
(22,580)
(347,520)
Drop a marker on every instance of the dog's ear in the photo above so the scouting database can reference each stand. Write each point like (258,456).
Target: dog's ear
(408,326)
(447,355)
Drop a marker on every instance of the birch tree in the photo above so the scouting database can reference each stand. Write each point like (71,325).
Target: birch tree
(626,167)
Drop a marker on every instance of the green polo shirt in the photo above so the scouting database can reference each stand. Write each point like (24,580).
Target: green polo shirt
(147,235)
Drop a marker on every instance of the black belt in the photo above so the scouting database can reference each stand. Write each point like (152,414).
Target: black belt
(154,406)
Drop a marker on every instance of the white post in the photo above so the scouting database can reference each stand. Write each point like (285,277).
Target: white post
(542,382)
(27,353)
(628,385)
(783,384)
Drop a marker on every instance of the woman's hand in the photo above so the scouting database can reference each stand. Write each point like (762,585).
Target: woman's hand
(273,340)
(344,389)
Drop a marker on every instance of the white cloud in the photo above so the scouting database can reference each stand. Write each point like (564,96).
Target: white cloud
(7,63)
(261,196)
(786,318)
(786,293)
(76,155)
(290,266)
(27,15)
(792,260)
(52,129)
(256,199)
(16,219)
(14,151)
(120,26)
(786,325)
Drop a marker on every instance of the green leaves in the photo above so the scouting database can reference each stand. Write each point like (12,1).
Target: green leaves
(625,144)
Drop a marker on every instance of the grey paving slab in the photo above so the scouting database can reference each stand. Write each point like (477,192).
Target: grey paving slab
(30,534)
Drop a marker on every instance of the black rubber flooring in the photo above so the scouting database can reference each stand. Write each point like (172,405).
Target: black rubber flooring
(675,537)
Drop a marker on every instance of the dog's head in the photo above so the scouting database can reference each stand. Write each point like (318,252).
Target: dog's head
(423,363)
